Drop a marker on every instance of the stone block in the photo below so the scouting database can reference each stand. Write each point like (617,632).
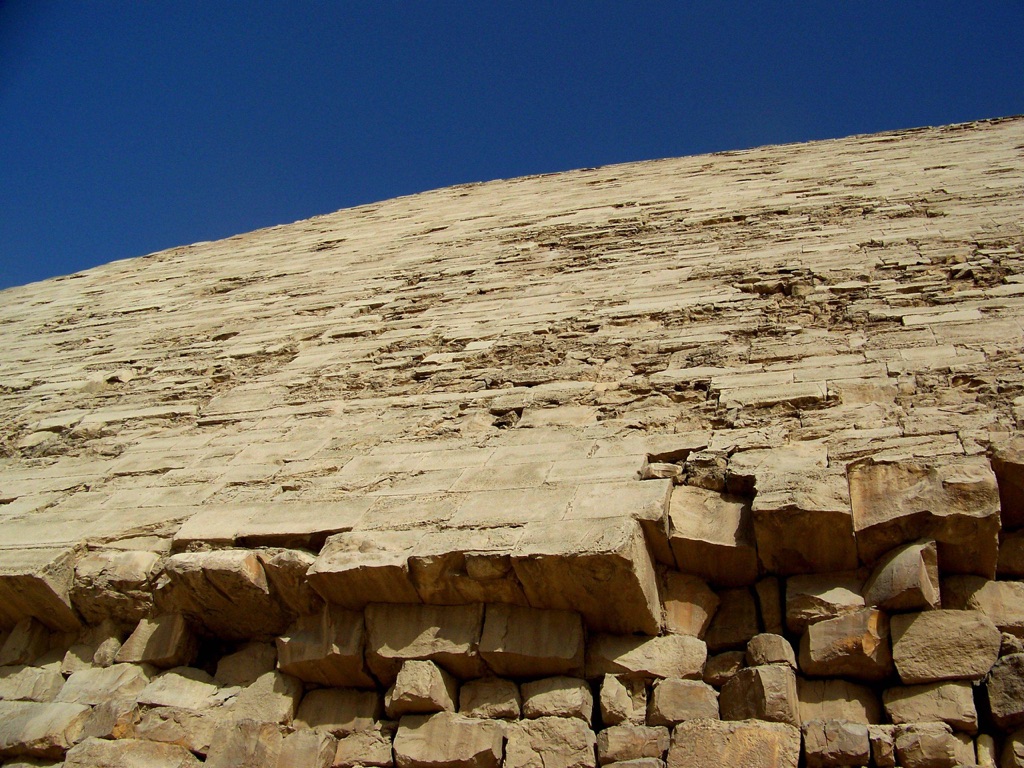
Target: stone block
(112,719)
(905,579)
(951,703)
(985,751)
(646,502)
(1006,691)
(622,700)
(674,701)
(36,583)
(803,522)
(558,697)
(22,683)
(529,642)
(751,744)
(307,749)
(29,640)
(490,698)
(956,503)
(761,693)
(1008,465)
(598,567)
(184,727)
(688,604)
(446,634)
(566,742)
(369,748)
(619,743)
(360,567)
(465,566)
(286,572)
(722,666)
(245,743)
(640,657)
(447,740)
(735,621)
(855,645)
(114,584)
(925,745)
(838,699)
(246,664)
(421,688)
(769,603)
(97,685)
(830,743)
(943,645)
(1013,751)
(128,753)
(883,745)
(227,592)
(272,698)
(1001,601)
(817,597)
(339,711)
(326,648)
(182,687)
(166,641)
(768,648)
(40,730)
(1011,555)
(712,536)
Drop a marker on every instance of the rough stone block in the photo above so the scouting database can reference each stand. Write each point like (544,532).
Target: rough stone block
(22,683)
(1006,691)
(245,743)
(326,648)
(905,579)
(421,688)
(112,584)
(490,698)
(40,730)
(29,640)
(286,572)
(883,745)
(735,621)
(943,645)
(166,641)
(751,744)
(622,700)
(951,703)
(712,536)
(447,635)
(370,748)
(447,740)
(769,603)
(184,727)
(956,503)
(767,648)
(182,687)
(37,583)
(1011,555)
(1013,751)
(558,697)
(307,749)
(631,742)
(272,698)
(598,567)
(246,664)
(761,693)
(814,598)
(688,604)
(1001,601)
(567,742)
(646,502)
(127,753)
(830,743)
(339,710)
(529,642)
(926,745)
(360,567)
(722,666)
(838,699)
(668,656)
(97,685)
(464,566)
(855,645)
(1008,465)
(674,701)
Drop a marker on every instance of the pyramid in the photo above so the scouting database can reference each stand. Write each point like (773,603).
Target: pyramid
(703,461)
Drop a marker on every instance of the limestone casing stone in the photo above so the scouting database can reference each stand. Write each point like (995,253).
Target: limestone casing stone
(712,536)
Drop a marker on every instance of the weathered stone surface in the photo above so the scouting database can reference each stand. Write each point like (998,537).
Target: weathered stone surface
(835,743)
(184,727)
(166,641)
(814,598)
(21,683)
(769,603)
(40,730)
(688,604)
(307,749)
(943,645)
(447,740)
(1011,555)
(421,688)
(114,584)
(286,572)
(674,701)
(27,641)
(561,741)
(883,745)
(1001,601)
(529,642)
(985,751)
(36,583)
(128,753)
(955,503)
(926,745)
(855,645)
(114,718)
(558,697)
(622,700)
(566,565)
(751,744)
(838,699)
(1008,465)
(371,748)
(359,567)
(183,687)
(448,635)
(245,743)
(1013,751)
(712,536)
(668,656)
(1005,686)
(767,648)
(246,664)
(94,686)
(339,711)
(905,579)
(272,698)
(735,621)
(761,693)
(326,648)
(490,697)
(720,667)
(631,742)
(951,703)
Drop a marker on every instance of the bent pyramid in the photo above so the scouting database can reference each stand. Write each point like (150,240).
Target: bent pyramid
(712,461)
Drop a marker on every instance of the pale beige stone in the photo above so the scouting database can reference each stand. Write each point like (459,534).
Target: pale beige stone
(490,697)
(22,683)
(166,641)
(36,583)
(769,603)
(307,749)
(40,729)
(856,645)
(115,584)
(761,693)
(668,656)
(361,567)
(752,744)
(114,718)
(674,701)
(951,703)
(326,648)
(558,697)
(768,648)
(817,597)
(447,740)
(1001,601)
(1008,465)
(339,711)
(128,753)
(688,604)
(883,745)
(1011,555)
(246,664)
(838,699)
(370,747)
(529,642)
(722,666)
(985,751)
(1013,751)
(286,572)
(905,579)
(712,536)
(943,645)
(245,743)
(619,743)
(1005,687)
(183,687)
(563,741)
(421,688)
(463,566)
(835,743)
(926,745)
(184,727)
(272,698)
(735,621)
(622,700)
(29,640)
(94,686)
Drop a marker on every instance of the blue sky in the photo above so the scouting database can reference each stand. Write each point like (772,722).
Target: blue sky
(129,127)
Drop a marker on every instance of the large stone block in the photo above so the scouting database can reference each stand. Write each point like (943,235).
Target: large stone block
(286,572)
(622,700)
(951,703)
(1001,601)
(558,697)
(530,642)
(1006,691)
(941,645)
(361,567)
(114,584)
(769,603)
(674,701)
(446,634)
(855,645)
(712,536)
(631,742)
(447,740)
(598,567)
(272,698)
(491,698)
(735,621)
(128,753)
(25,643)
(184,727)
(22,683)
(40,730)
(36,583)
(926,745)
(646,502)
(768,648)
(566,742)
(98,685)
(830,743)
(339,710)
(421,688)
(750,743)
(905,579)
(668,656)
(246,664)
(956,503)
(817,597)
(761,693)
(166,641)
(838,699)
(183,687)
(1008,465)
(307,749)
(464,566)
(245,743)
(688,604)
(326,648)
(367,749)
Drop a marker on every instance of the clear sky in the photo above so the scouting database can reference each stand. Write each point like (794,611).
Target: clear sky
(127,127)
